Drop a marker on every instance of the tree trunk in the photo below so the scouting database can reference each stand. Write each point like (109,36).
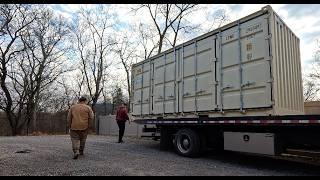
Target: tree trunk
(12,121)
(8,111)
(160,44)
(94,116)
(29,116)
(129,88)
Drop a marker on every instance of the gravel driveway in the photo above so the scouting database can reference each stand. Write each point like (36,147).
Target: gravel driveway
(52,155)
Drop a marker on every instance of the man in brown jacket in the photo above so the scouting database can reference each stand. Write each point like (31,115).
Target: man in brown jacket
(80,117)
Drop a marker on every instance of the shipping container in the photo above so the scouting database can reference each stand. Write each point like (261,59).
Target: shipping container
(237,88)
(248,67)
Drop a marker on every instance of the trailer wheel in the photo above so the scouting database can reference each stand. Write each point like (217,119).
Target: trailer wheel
(187,143)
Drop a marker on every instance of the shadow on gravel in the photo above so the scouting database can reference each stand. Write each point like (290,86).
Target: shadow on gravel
(251,161)
(25,151)
(262,163)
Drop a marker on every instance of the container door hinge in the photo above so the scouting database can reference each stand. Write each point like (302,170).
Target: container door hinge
(272,103)
(268,37)
(269,58)
(270,81)
(268,15)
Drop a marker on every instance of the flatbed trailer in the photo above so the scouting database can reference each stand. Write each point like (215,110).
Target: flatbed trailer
(291,137)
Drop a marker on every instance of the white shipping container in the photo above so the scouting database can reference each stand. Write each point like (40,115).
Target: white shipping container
(248,67)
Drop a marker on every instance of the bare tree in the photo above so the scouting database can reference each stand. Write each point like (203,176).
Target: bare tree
(310,90)
(80,83)
(93,45)
(312,85)
(164,16)
(14,19)
(216,19)
(126,49)
(316,63)
(311,81)
(44,57)
(117,97)
(182,23)
(171,23)
(58,97)
(146,40)
(34,63)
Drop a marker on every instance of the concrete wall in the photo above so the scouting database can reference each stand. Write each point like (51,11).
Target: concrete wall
(108,126)
(312,107)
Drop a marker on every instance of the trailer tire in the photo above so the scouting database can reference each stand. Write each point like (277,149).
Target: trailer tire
(187,143)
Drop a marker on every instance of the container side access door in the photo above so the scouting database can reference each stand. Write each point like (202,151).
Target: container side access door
(136,86)
(164,85)
(141,94)
(246,73)
(158,85)
(170,85)
(146,84)
(197,85)
(206,80)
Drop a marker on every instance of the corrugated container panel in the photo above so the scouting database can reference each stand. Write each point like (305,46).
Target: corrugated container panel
(291,70)
(248,67)
(286,62)
(301,100)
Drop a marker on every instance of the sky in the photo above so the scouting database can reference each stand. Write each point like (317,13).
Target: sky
(302,19)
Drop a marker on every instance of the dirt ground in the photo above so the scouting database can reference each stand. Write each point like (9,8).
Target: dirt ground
(52,155)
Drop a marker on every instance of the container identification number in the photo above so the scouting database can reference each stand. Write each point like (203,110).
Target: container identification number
(253,28)
(229,37)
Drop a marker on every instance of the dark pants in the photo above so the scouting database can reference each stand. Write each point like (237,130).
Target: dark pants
(122,126)
(78,138)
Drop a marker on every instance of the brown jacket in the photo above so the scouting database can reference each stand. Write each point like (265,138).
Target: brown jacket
(80,117)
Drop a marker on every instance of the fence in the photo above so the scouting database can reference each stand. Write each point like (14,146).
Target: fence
(5,129)
(51,123)
(312,107)
(56,123)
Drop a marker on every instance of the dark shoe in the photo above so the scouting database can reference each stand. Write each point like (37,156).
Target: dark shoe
(121,141)
(75,156)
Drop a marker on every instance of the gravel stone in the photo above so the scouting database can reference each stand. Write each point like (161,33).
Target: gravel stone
(52,156)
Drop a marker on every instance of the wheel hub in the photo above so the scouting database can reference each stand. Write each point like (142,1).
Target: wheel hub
(186,143)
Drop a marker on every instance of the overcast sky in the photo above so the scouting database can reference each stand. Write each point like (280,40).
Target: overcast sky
(302,19)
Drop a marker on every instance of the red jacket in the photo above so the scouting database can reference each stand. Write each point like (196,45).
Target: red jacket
(122,114)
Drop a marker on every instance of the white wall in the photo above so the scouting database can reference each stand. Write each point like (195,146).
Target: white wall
(108,126)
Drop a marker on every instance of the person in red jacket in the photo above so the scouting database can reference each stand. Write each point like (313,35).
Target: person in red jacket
(122,117)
